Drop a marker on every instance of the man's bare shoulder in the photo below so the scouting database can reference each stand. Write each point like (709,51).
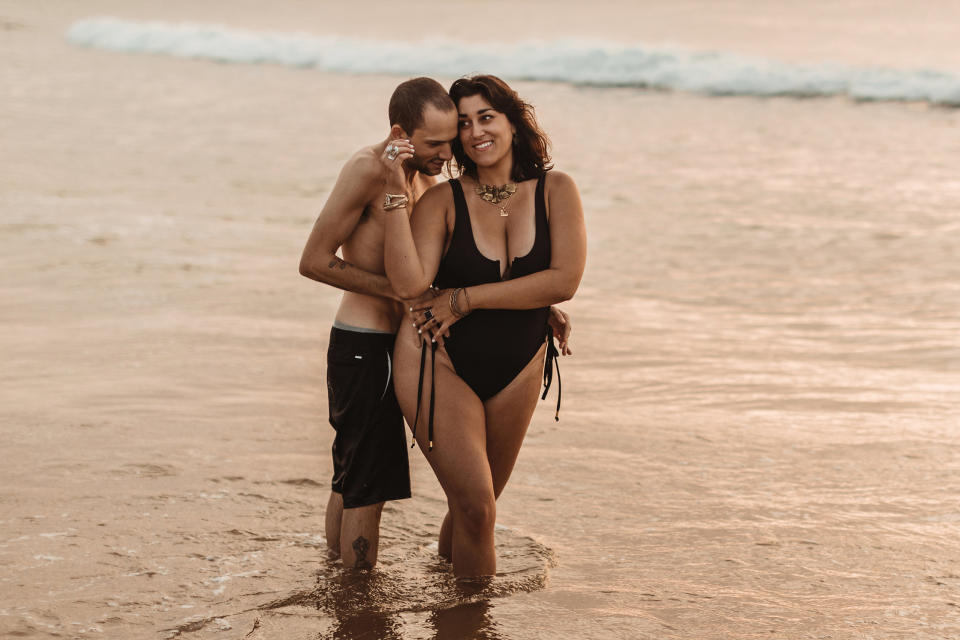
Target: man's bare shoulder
(364,167)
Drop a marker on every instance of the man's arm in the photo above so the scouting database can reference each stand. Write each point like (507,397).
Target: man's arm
(358,181)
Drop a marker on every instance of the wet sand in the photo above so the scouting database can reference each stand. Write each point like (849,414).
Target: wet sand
(758,437)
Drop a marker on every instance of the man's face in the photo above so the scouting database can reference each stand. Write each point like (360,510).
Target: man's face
(431,141)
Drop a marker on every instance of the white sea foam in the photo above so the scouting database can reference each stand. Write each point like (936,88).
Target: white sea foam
(574,61)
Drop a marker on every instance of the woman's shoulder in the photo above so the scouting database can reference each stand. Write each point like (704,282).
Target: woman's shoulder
(559,186)
(558,180)
(439,190)
(437,196)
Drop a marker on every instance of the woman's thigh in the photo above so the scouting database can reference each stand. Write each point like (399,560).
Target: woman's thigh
(459,455)
(507,416)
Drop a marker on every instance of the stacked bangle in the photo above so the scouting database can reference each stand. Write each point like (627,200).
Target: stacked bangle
(455,305)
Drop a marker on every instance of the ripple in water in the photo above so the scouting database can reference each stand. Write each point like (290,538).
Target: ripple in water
(409,579)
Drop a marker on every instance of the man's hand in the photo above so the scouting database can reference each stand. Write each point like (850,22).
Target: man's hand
(559,321)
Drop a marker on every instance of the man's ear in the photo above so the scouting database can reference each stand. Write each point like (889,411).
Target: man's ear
(396,131)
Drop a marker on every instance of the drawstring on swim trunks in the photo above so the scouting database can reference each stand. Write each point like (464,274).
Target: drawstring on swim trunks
(553,360)
(416,419)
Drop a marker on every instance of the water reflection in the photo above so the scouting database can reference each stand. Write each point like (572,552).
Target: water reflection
(354,600)
(469,620)
(363,605)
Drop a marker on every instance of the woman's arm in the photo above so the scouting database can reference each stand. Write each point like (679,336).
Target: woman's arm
(414,244)
(568,255)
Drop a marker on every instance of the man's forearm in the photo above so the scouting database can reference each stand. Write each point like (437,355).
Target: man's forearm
(338,273)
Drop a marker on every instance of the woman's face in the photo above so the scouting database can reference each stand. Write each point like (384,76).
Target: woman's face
(485,133)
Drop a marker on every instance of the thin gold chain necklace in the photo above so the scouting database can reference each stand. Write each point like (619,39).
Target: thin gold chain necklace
(495,195)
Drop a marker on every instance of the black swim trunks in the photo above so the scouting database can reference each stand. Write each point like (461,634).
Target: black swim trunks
(370,448)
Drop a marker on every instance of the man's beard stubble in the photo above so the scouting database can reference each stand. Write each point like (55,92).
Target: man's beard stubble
(429,167)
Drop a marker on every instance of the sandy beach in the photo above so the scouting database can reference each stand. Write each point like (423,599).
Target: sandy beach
(760,420)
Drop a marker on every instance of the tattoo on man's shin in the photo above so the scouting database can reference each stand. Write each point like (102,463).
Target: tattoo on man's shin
(360,547)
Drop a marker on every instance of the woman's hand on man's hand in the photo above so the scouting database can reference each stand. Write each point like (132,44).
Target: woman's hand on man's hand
(433,314)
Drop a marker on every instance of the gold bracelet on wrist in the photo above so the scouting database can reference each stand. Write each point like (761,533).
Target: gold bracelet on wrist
(454,304)
(395,201)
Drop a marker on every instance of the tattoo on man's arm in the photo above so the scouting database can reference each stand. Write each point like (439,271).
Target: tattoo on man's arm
(360,547)
(337,262)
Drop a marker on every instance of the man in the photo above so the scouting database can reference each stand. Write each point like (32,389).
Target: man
(370,447)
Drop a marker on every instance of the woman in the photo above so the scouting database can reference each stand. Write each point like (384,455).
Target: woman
(501,243)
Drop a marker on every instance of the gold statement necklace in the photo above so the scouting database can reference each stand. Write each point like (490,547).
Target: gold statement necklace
(495,195)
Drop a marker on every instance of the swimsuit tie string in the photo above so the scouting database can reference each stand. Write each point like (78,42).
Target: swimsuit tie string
(553,360)
(416,418)
(433,369)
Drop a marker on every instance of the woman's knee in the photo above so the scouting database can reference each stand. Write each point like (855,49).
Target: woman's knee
(476,512)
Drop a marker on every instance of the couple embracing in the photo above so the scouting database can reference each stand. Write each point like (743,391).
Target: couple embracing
(446,316)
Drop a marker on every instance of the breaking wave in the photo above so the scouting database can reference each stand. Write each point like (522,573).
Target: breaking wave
(577,62)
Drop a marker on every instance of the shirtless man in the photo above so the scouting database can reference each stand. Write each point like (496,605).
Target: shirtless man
(370,447)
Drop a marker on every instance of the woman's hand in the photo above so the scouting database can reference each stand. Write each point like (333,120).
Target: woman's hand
(415,308)
(559,321)
(435,316)
(392,159)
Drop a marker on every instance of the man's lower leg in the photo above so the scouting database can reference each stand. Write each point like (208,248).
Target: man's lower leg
(360,536)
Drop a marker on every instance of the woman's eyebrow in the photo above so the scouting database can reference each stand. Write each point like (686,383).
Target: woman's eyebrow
(479,111)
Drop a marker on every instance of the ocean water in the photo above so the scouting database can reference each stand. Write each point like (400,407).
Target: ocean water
(759,430)
(580,62)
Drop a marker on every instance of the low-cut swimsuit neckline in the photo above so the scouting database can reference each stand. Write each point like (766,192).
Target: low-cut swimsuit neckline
(489,347)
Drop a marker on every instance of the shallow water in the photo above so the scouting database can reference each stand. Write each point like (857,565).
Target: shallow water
(758,436)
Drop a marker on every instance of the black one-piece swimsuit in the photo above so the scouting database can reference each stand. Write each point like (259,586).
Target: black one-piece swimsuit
(490,347)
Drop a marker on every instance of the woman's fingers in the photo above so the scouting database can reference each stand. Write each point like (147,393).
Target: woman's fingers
(438,332)
(423,318)
(398,149)
(395,153)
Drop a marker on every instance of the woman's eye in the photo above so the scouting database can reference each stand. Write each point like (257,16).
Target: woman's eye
(464,124)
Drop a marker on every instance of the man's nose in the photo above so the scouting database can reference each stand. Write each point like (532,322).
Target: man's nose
(446,152)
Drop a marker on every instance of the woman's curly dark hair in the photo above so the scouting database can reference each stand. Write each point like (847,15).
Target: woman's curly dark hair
(531,150)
